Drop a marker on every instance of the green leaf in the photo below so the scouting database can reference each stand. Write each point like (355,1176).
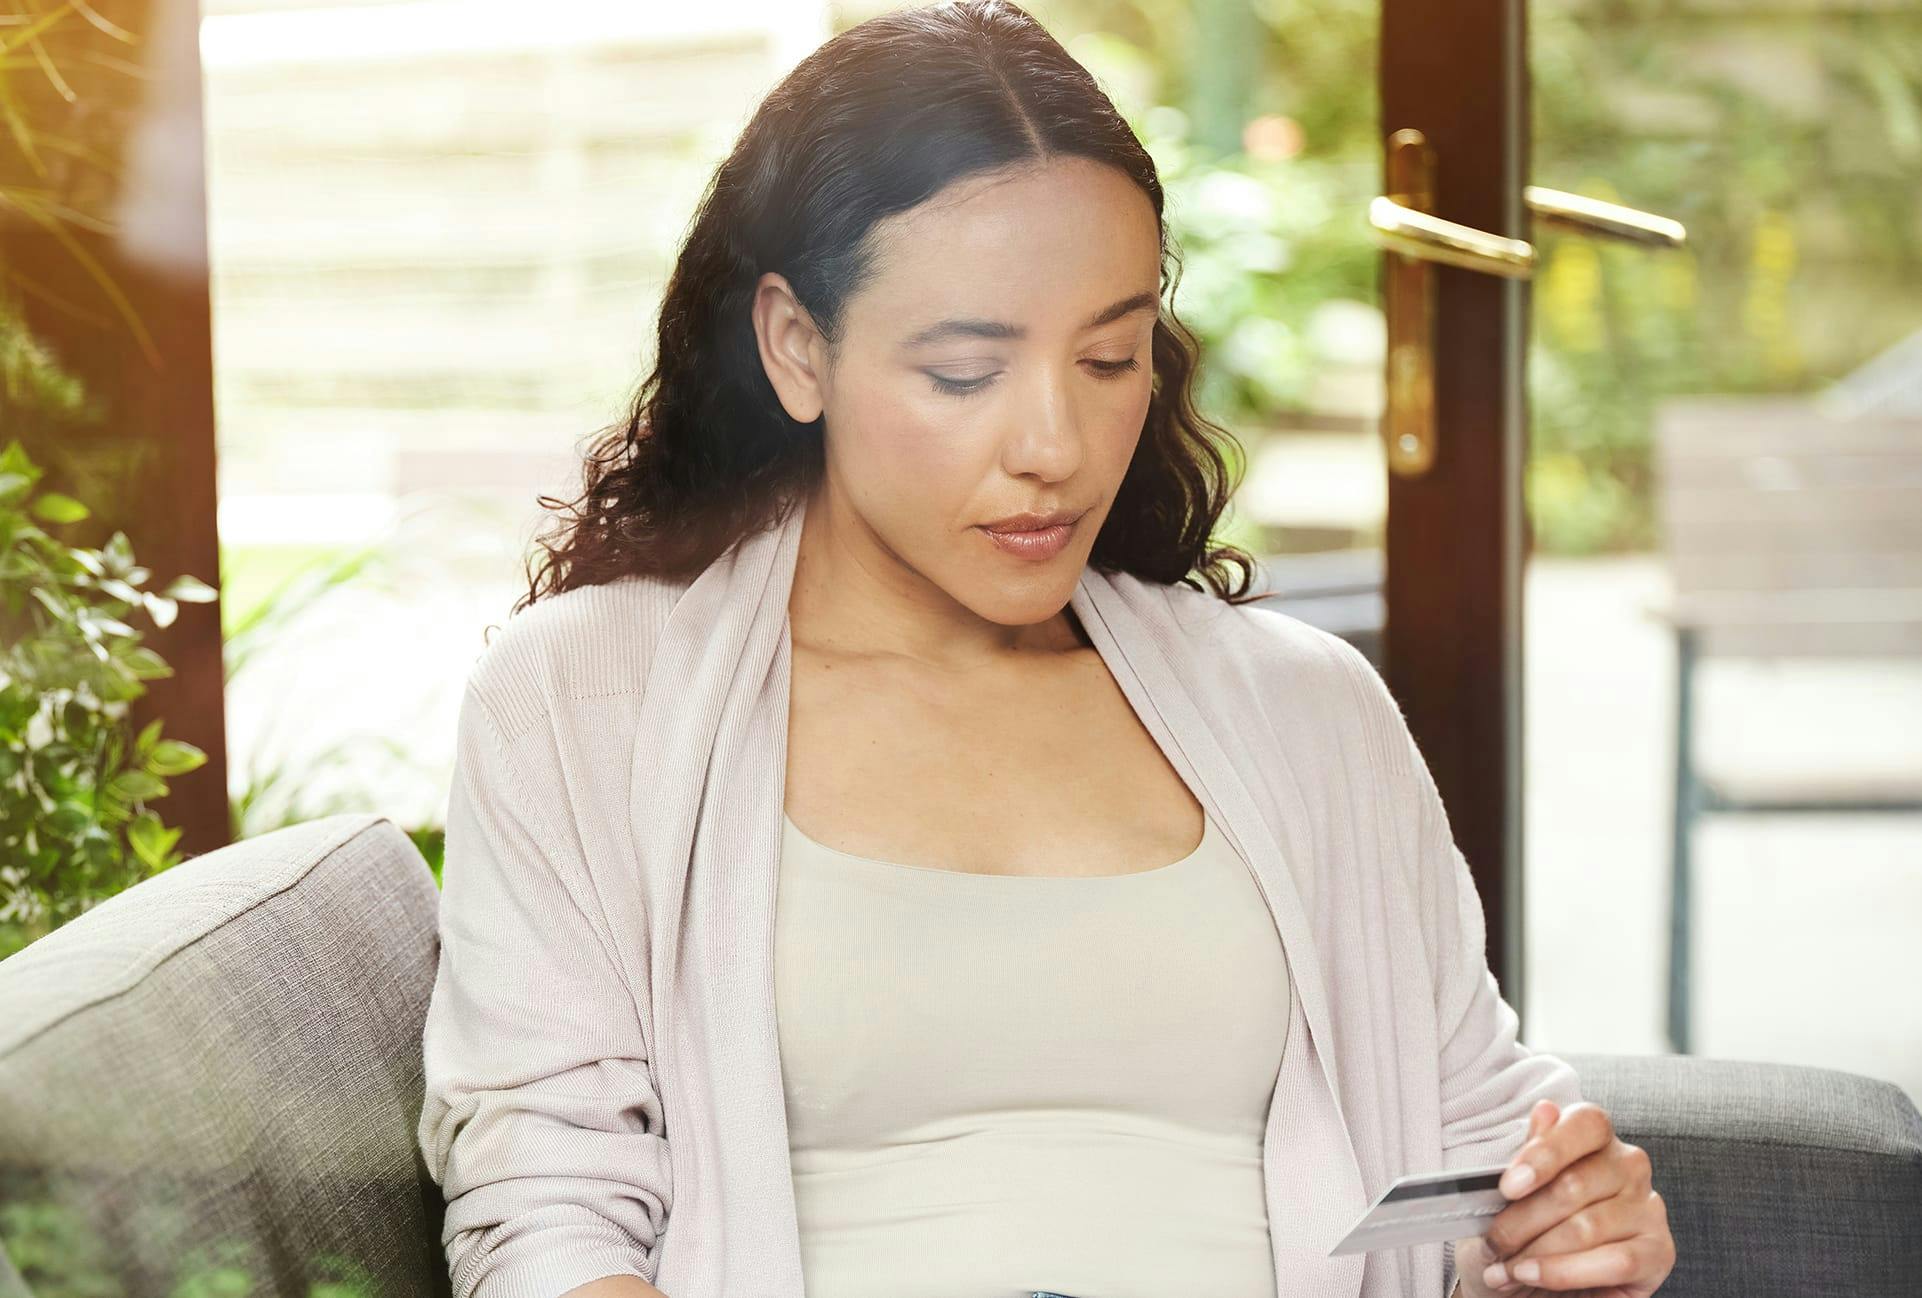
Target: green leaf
(144,741)
(14,459)
(136,786)
(114,626)
(98,846)
(160,609)
(53,603)
(117,554)
(70,818)
(175,757)
(151,841)
(117,683)
(58,508)
(145,664)
(189,589)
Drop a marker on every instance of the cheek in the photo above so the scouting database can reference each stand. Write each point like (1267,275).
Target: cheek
(906,460)
(1121,424)
(901,437)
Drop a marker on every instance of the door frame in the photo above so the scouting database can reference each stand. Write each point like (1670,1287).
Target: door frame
(1452,640)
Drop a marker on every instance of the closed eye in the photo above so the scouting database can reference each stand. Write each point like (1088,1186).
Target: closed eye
(964,387)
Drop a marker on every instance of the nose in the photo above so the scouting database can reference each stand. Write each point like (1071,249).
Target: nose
(1046,440)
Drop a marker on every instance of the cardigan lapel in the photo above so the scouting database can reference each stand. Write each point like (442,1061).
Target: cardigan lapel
(715,709)
(1309,1159)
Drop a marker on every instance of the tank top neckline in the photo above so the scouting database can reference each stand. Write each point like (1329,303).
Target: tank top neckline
(1207,840)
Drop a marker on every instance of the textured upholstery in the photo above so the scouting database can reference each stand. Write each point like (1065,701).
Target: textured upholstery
(1778,1179)
(216,1075)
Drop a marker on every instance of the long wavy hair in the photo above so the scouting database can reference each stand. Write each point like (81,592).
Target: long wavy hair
(873,122)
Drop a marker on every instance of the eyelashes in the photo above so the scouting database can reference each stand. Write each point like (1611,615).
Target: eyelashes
(965,387)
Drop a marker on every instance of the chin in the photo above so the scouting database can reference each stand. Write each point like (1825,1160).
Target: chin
(1022,601)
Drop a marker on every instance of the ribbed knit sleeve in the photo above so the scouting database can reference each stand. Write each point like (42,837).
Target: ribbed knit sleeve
(1489,1079)
(541,1122)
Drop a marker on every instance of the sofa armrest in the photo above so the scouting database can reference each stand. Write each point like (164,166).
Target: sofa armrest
(1779,1179)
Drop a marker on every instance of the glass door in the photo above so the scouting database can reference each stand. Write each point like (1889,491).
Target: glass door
(1723,627)
(1653,584)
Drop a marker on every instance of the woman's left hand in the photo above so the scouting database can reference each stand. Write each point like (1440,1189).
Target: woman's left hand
(1584,1216)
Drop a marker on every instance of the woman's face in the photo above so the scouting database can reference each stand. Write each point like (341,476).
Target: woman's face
(998,362)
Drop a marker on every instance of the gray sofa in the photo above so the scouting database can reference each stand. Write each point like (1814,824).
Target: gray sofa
(209,1085)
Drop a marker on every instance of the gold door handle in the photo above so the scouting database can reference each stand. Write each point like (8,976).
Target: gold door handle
(1583,215)
(1415,233)
(1401,223)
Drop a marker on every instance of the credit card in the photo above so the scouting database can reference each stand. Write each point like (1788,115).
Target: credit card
(1427,1208)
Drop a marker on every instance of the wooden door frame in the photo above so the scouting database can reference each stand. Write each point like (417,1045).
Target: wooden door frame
(1456,537)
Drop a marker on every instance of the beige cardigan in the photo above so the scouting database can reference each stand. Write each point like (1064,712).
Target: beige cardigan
(603,1086)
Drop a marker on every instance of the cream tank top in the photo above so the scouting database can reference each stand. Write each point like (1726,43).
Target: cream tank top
(997,1084)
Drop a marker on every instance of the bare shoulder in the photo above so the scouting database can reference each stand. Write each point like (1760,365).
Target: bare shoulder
(587,642)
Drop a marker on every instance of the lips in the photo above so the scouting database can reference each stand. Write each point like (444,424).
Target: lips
(1030,541)
(1033,522)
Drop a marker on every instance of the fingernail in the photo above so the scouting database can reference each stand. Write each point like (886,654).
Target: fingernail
(1495,1276)
(1517,1179)
(1528,1271)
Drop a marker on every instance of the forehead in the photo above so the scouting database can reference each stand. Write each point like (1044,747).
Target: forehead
(1042,247)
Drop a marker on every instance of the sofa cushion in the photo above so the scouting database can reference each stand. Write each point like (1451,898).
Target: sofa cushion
(216,1074)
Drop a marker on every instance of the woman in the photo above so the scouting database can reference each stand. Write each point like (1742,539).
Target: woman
(1121,946)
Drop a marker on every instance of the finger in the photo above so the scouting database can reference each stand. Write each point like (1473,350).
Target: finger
(1471,1256)
(1474,1255)
(1581,1129)
(1473,1266)
(1542,1117)
(1593,1178)
(1618,1262)
(1477,1265)
(1620,1216)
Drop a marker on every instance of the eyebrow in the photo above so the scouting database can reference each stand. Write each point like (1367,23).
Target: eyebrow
(978,328)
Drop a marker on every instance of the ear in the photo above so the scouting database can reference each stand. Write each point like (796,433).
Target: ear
(792,349)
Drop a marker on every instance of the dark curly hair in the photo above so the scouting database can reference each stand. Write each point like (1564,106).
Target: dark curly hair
(873,122)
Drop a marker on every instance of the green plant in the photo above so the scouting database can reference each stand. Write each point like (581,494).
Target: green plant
(75,824)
